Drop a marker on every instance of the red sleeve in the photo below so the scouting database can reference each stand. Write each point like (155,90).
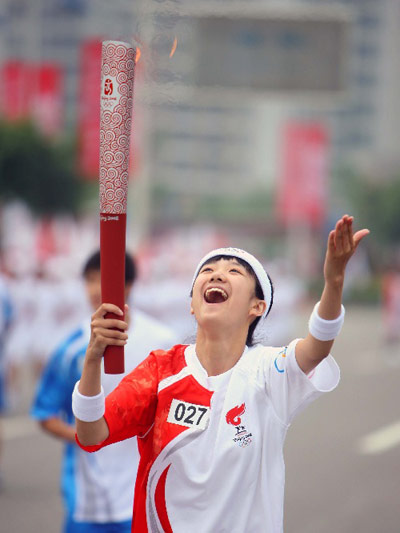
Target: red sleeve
(131,407)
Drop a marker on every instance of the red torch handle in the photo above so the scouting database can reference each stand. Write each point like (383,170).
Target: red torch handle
(112,265)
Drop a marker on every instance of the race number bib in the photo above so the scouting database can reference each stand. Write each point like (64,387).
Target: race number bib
(189,415)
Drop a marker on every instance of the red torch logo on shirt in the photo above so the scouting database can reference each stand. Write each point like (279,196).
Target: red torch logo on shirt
(242,436)
(233,416)
(108,87)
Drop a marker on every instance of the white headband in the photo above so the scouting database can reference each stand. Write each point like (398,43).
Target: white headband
(255,264)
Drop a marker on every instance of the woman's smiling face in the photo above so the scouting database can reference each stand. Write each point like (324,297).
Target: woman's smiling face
(224,295)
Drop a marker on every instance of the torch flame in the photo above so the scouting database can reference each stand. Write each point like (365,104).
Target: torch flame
(138,54)
(174,45)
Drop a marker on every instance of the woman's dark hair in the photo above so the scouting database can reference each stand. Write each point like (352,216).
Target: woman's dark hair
(258,290)
(93,264)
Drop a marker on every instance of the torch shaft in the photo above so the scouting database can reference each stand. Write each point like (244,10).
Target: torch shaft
(112,260)
(117,69)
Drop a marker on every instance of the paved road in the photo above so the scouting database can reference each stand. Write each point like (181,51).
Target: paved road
(342,454)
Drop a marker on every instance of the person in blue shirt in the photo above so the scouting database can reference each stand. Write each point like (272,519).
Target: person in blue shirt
(6,317)
(97,491)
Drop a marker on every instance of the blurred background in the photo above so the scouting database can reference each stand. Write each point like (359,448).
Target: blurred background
(256,124)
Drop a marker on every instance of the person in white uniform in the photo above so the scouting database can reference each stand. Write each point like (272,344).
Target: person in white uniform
(211,418)
(98,490)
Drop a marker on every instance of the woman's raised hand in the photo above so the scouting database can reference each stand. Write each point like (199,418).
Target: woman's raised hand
(106,331)
(342,243)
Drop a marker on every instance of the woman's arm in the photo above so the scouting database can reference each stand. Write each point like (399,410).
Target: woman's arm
(342,244)
(103,334)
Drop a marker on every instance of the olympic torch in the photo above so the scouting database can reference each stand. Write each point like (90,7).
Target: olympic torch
(116,101)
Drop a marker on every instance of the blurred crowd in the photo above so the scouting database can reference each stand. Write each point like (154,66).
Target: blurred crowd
(42,290)
(38,312)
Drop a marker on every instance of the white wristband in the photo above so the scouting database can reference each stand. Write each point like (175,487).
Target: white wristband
(88,408)
(322,329)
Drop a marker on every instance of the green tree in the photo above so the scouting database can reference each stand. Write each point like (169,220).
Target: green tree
(375,203)
(37,170)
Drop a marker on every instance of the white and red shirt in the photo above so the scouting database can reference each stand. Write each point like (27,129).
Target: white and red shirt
(96,488)
(212,447)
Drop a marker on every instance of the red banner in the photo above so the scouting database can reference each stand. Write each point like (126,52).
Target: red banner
(47,99)
(32,92)
(302,186)
(16,78)
(89,109)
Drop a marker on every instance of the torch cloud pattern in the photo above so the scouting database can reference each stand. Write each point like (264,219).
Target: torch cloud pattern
(117,75)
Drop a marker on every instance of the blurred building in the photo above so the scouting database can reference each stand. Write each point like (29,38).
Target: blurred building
(364,124)
(52,31)
(228,141)
(224,141)
(219,102)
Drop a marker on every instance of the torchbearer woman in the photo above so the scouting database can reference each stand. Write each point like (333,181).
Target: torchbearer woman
(212,417)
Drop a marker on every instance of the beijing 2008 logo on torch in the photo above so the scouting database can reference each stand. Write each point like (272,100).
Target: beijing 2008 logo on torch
(242,437)
(108,87)
(109,98)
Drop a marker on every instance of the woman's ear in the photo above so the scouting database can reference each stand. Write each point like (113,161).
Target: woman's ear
(258,308)
(191,310)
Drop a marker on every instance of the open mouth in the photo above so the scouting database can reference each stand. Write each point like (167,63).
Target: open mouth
(215,295)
